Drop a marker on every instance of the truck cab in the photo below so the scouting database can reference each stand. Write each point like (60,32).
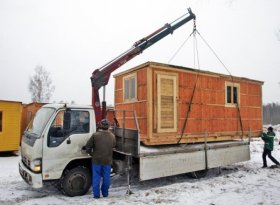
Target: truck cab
(51,148)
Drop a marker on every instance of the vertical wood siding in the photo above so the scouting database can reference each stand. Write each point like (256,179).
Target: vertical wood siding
(11,125)
(208,111)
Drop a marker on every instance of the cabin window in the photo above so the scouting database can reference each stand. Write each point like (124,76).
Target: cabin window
(232,93)
(130,86)
(166,103)
(1,121)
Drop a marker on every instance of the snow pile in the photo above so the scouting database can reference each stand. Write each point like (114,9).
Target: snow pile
(243,183)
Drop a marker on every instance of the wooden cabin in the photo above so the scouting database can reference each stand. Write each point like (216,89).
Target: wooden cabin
(28,112)
(10,124)
(175,104)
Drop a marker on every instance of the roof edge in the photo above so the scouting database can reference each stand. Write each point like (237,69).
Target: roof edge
(152,63)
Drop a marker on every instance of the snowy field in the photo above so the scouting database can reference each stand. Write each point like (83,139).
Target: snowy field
(243,183)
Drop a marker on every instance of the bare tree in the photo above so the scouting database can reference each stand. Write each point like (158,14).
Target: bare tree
(40,85)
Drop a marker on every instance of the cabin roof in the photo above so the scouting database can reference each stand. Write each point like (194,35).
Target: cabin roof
(10,101)
(34,103)
(191,70)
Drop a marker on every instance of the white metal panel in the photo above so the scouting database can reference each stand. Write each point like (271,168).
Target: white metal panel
(163,165)
(229,155)
(152,167)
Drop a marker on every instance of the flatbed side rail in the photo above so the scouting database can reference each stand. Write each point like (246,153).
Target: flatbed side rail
(162,150)
(127,139)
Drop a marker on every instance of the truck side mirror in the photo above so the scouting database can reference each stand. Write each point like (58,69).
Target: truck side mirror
(67,120)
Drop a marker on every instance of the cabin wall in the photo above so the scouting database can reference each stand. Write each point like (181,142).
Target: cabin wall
(209,113)
(139,105)
(10,124)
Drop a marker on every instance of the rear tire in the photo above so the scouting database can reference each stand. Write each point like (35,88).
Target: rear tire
(76,181)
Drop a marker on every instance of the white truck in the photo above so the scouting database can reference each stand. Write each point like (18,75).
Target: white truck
(52,146)
(52,149)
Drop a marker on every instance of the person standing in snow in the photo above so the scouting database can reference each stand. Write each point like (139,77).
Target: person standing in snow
(100,146)
(268,139)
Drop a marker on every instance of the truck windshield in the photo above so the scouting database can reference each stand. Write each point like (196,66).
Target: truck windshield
(37,125)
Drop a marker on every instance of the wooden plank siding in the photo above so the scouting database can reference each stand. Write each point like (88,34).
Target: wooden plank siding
(10,125)
(139,105)
(167,91)
(164,95)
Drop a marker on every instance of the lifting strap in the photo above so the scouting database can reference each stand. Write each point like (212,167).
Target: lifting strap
(194,32)
(195,52)
(237,103)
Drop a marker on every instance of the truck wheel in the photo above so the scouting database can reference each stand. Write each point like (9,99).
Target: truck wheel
(76,181)
(198,174)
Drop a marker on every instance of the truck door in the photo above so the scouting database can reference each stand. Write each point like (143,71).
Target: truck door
(62,145)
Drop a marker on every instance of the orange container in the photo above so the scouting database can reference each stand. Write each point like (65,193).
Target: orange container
(167,97)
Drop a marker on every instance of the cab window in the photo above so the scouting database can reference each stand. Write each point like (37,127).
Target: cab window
(79,125)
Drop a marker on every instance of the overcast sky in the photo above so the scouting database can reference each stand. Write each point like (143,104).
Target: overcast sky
(71,39)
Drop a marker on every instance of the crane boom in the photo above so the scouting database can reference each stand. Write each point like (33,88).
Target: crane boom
(101,76)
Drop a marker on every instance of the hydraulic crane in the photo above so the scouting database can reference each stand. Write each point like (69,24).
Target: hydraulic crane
(101,76)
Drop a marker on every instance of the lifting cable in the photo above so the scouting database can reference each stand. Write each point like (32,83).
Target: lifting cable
(194,32)
(181,46)
(196,59)
(237,103)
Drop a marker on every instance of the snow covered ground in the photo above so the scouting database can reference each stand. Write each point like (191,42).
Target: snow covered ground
(243,183)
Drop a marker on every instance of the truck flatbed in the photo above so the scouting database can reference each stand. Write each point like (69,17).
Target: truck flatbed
(184,148)
(156,162)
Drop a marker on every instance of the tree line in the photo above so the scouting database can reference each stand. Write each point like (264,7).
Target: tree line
(271,113)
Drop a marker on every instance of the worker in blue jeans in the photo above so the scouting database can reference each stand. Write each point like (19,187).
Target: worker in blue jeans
(100,146)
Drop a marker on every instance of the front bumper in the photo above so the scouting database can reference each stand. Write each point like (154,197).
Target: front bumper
(33,179)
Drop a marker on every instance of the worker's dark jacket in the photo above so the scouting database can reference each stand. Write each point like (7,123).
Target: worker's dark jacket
(101,143)
(268,139)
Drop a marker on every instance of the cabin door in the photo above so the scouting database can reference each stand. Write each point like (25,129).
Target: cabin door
(166,103)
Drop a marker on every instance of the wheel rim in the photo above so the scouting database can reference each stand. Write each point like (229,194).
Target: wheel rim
(77,183)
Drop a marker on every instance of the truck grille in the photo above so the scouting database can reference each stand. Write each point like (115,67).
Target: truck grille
(26,161)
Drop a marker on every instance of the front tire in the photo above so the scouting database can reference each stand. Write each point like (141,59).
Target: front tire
(76,181)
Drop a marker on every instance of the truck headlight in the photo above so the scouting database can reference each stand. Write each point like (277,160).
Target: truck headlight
(36,165)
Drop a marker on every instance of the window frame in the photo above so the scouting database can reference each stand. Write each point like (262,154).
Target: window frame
(233,101)
(129,97)
(1,121)
(57,122)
